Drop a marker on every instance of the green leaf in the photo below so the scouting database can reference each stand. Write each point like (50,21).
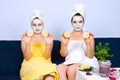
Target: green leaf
(102,51)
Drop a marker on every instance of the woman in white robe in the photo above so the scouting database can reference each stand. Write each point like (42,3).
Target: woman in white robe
(77,46)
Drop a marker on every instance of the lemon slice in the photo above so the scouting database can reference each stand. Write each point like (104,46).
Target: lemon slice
(83,67)
(29,33)
(66,34)
(45,33)
(86,34)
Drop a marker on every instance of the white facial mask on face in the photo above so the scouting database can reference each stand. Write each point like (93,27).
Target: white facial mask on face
(77,23)
(38,26)
(37,29)
(77,28)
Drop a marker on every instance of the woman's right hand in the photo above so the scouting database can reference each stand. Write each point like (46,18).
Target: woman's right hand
(64,40)
(26,39)
(64,44)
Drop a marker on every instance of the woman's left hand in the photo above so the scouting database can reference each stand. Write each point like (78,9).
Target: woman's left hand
(49,39)
(89,39)
(90,46)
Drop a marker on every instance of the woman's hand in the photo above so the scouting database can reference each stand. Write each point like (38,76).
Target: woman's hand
(90,46)
(49,45)
(64,44)
(26,38)
(64,40)
(49,39)
(89,39)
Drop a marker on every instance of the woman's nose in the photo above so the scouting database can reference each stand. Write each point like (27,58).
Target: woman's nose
(77,24)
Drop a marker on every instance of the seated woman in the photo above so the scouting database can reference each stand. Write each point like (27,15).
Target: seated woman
(77,46)
(36,48)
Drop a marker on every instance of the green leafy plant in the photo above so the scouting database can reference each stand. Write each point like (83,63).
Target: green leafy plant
(102,51)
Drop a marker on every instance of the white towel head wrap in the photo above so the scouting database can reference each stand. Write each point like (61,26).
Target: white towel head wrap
(78,8)
(37,13)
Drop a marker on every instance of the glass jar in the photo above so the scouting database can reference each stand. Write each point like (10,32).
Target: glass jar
(104,68)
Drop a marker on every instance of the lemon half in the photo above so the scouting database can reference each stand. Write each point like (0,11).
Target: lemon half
(84,67)
(29,33)
(66,34)
(45,33)
(86,34)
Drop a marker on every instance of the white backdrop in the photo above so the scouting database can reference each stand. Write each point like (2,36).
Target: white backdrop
(102,17)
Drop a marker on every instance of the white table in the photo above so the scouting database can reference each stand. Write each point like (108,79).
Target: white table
(81,75)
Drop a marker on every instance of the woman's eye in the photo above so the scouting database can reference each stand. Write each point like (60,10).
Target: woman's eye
(34,24)
(39,24)
(74,22)
(80,21)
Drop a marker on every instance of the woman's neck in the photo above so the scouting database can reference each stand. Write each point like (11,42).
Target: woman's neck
(37,37)
(80,31)
(76,35)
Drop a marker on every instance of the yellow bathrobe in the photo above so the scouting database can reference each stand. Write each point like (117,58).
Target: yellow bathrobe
(38,66)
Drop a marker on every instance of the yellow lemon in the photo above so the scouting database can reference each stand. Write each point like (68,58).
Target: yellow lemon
(67,34)
(83,67)
(29,33)
(45,33)
(85,34)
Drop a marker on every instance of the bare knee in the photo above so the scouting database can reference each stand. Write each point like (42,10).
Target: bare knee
(71,72)
(48,77)
(72,68)
(61,68)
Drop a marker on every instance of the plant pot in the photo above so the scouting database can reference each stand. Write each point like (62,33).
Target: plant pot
(104,68)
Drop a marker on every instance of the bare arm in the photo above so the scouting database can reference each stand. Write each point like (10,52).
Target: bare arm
(90,46)
(48,51)
(63,50)
(64,43)
(25,46)
(49,45)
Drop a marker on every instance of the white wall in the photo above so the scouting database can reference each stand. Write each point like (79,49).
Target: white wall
(102,18)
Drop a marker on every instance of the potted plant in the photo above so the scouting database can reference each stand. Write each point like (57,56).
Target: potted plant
(102,52)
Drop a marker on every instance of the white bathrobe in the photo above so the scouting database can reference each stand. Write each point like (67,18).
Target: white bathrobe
(76,54)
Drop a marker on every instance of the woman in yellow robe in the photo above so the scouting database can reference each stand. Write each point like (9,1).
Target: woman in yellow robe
(36,47)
